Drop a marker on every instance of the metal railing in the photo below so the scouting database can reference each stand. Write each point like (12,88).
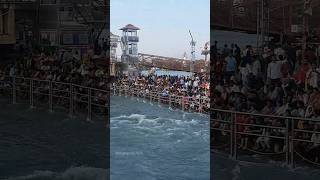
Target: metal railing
(75,98)
(240,133)
(185,103)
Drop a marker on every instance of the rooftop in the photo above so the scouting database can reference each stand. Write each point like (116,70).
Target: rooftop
(130,27)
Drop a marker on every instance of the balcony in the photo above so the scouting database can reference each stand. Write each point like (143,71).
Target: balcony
(130,38)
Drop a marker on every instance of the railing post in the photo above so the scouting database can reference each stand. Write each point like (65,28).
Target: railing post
(287,144)
(182,103)
(200,105)
(89,105)
(150,94)
(14,90)
(50,97)
(159,98)
(231,134)
(235,145)
(70,100)
(169,97)
(292,144)
(31,93)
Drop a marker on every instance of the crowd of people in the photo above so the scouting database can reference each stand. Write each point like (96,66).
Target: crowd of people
(281,82)
(194,90)
(66,68)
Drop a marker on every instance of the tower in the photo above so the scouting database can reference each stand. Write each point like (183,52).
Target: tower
(129,44)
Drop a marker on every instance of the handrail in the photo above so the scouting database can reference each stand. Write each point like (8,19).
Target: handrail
(58,82)
(266,115)
(288,133)
(53,89)
(198,104)
(159,93)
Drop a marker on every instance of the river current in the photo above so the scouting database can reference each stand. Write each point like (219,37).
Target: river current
(153,142)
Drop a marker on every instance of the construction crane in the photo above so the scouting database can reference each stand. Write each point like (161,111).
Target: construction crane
(193,55)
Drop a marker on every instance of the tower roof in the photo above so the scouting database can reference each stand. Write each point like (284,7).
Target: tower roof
(130,27)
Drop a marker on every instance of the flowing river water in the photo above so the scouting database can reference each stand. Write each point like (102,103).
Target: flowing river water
(152,142)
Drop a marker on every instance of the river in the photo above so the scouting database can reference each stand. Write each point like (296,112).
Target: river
(153,142)
(38,145)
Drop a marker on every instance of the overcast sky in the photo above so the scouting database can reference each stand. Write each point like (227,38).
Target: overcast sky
(164,24)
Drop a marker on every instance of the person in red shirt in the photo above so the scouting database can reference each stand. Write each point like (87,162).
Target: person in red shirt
(301,75)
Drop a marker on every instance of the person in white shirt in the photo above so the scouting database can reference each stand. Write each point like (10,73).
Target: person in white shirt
(256,67)
(274,69)
(245,71)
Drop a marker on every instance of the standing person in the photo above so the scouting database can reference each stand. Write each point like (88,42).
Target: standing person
(237,54)
(214,49)
(247,51)
(214,52)
(274,71)
(232,49)
(231,65)
(226,51)
(256,67)
(218,69)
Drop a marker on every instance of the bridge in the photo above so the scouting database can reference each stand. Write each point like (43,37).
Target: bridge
(170,63)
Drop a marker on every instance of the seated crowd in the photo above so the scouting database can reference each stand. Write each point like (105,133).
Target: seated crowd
(281,82)
(66,69)
(46,67)
(194,90)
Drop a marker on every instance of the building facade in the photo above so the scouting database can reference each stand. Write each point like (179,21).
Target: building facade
(61,24)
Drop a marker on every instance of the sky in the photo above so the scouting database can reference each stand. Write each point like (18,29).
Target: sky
(164,24)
